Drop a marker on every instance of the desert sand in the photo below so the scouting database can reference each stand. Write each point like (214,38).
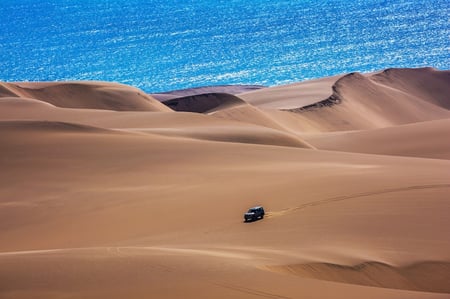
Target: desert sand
(108,192)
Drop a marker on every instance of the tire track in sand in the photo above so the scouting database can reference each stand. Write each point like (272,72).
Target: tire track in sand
(356,195)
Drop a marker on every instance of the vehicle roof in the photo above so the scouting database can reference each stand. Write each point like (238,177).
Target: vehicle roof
(257,207)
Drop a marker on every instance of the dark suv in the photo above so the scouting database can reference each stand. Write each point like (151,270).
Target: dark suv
(254,213)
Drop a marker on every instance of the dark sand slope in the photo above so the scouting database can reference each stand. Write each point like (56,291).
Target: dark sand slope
(229,89)
(97,202)
(424,277)
(204,103)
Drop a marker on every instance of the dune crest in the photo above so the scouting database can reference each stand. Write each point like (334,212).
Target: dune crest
(237,134)
(361,101)
(384,103)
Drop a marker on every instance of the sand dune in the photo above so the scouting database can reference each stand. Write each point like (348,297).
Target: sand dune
(105,198)
(30,109)
(195,126)
(380,104)
(89,95)
(358,102)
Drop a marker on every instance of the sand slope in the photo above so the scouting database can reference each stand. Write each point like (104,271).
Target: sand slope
(426,83)
(293,95)
(102,203)
(424,139)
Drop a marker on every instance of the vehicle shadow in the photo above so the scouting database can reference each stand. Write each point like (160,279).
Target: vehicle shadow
(253,220)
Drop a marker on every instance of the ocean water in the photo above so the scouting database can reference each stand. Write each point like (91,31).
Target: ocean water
(162,45)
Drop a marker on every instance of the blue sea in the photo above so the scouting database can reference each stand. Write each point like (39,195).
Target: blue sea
(162,45)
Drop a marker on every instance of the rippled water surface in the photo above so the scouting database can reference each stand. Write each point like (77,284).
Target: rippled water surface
(164,45)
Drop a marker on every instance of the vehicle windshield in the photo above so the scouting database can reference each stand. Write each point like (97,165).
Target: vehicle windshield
(251,211)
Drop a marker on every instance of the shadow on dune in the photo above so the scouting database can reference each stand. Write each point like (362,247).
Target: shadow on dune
(204,103)
(422,276)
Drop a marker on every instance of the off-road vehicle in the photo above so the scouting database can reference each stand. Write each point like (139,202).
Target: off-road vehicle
(254,213)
